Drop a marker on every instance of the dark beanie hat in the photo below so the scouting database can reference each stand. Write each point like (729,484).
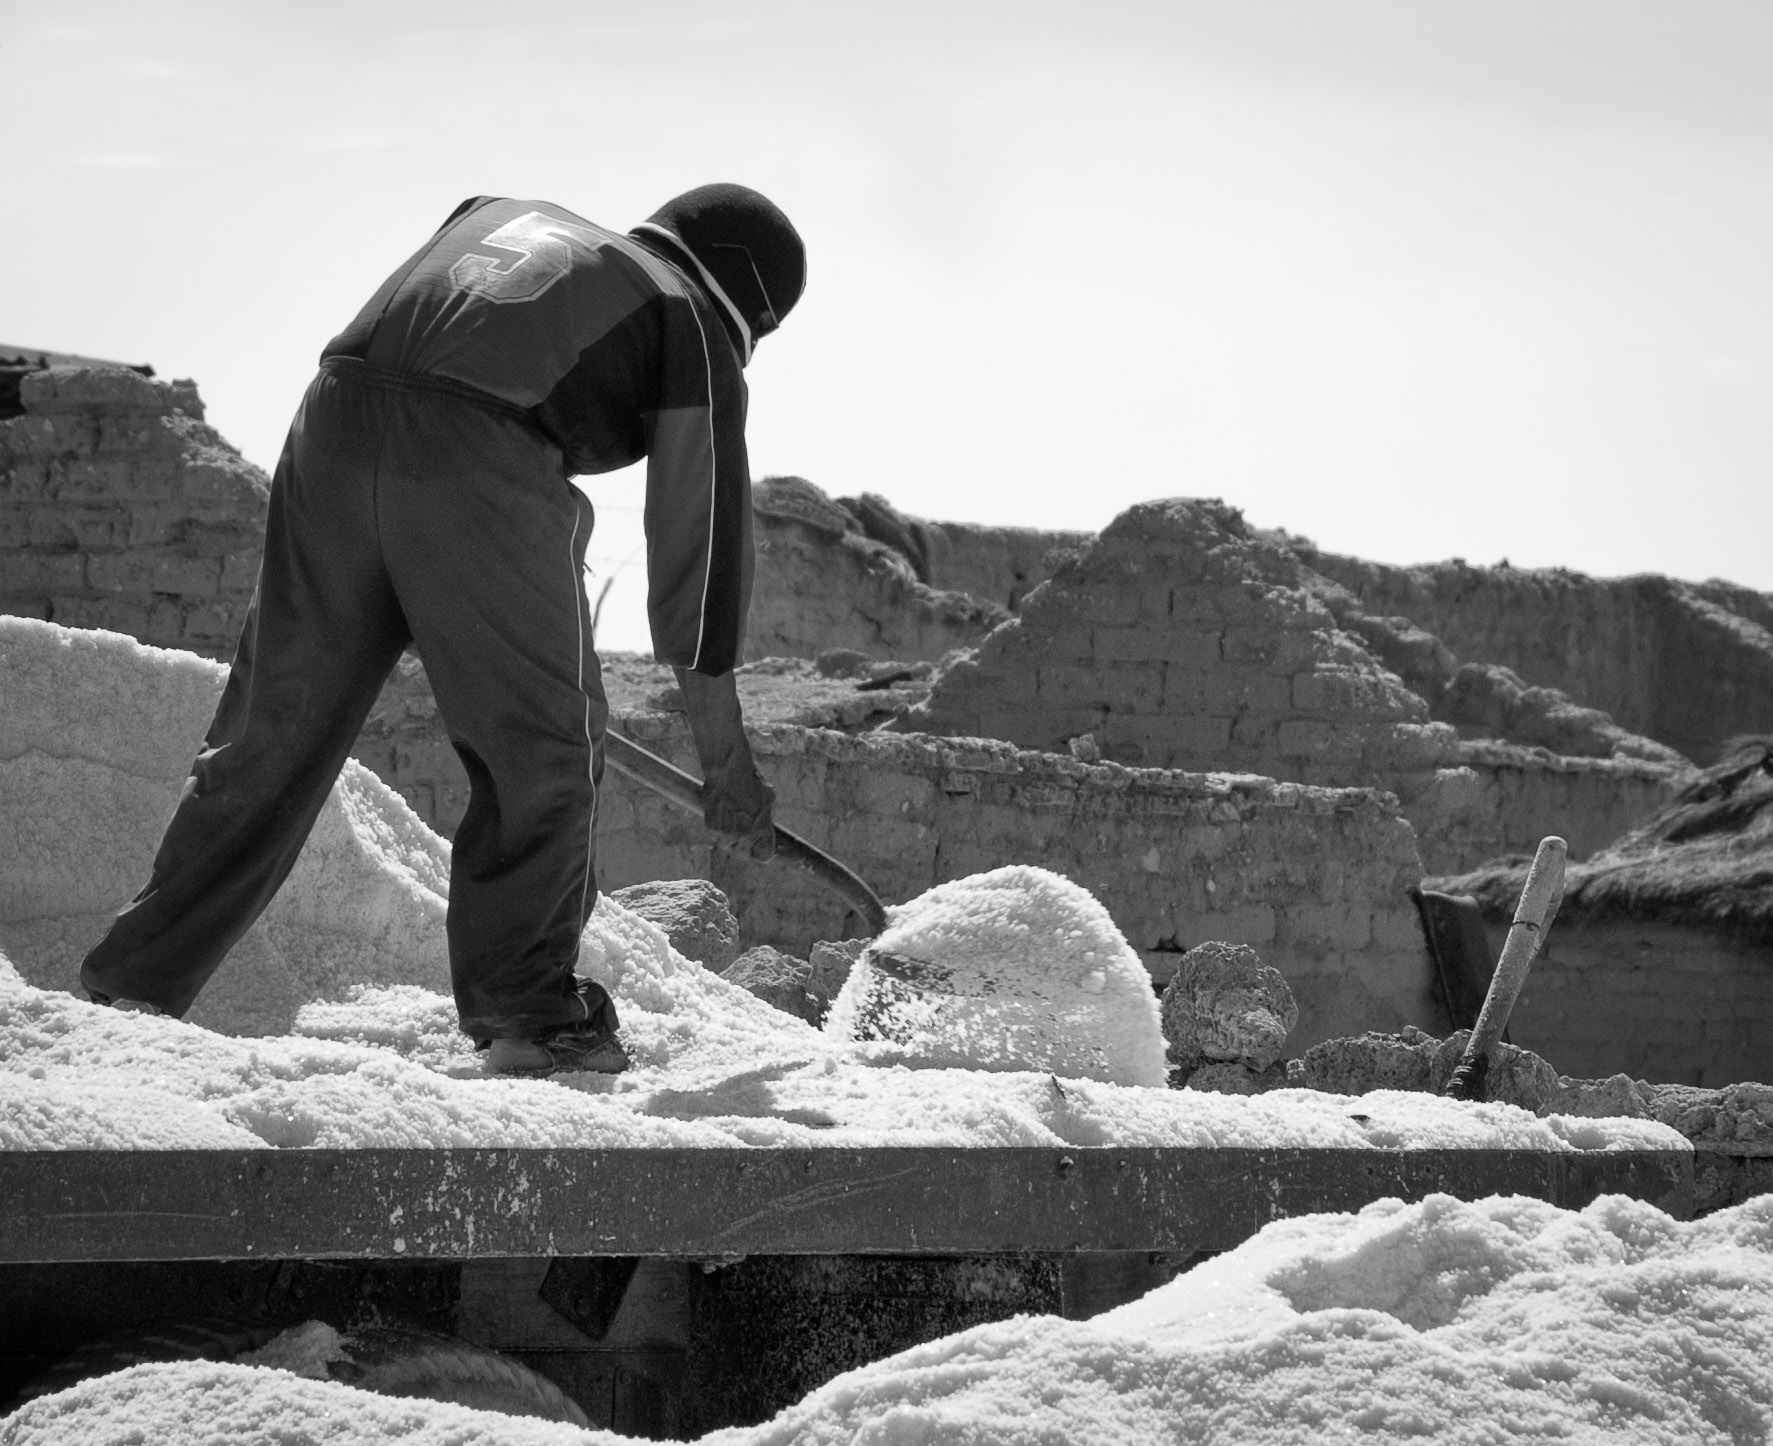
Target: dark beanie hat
(744,249)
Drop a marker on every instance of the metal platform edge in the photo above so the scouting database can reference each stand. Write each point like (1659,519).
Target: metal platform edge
(95,1205)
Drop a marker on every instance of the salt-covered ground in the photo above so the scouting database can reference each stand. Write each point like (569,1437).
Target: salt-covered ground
(1507,1320)
(713,1066)
(1026,1021)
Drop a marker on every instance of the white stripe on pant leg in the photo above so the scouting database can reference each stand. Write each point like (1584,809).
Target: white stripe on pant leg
(579,605)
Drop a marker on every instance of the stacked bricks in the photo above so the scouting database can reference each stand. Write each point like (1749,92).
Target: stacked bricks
(121,509)
(1316,879)
(1689,665)
(1180,640)
(1666,1002)
(1504,798)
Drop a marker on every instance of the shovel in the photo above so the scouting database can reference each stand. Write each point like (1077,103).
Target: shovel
(675,786)
(1538,906)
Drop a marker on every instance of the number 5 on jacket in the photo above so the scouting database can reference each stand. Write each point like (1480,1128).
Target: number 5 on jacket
(543,248)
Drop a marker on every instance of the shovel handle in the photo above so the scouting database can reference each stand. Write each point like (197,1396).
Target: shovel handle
(1538,906)
(684,790)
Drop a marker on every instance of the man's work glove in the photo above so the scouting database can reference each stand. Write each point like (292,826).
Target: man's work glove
(736,801)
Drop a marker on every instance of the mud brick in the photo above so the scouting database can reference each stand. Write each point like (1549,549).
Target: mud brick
(1341,926)
(1283,649)
(1302,738)
(1230,690)
(46,573)
(90,479)
(1069,684)
(153,572)
(1157,604)
(94,389)
(42,436)
(1132,687)
(213,623)
(1250,924)
(240,570)
(220,477)
(132,616)
(130,432)
(24,479)
(155,524)
(96,528)
(1202,734)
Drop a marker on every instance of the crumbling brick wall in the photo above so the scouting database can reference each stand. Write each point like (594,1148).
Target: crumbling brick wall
(997,564)
(1504,798)
(120,508)
(1177,639)
(821,583)
(1316,879)
(858,573)
(1686,664)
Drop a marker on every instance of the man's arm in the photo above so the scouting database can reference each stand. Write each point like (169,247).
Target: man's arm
(698,498)
(735,799)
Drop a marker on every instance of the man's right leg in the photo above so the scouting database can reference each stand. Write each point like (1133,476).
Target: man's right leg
(322,633)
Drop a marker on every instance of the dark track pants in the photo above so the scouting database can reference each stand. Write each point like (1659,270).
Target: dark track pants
(399,513)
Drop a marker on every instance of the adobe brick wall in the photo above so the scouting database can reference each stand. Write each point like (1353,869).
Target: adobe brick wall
(1178,639)
(1662,1002)
(121,509)
(1316,879)
(1505,797)
(1686,664)
(821,583)
(998,564)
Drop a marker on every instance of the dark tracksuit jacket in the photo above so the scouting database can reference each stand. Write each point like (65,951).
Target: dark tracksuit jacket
(422,497)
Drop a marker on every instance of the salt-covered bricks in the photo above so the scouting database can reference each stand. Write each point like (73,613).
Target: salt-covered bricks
(1224,1005)
(1014,969)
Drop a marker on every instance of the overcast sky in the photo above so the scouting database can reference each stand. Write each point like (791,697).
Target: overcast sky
(1415,278)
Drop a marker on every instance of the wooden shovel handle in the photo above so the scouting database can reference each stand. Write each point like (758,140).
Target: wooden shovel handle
(1533,915)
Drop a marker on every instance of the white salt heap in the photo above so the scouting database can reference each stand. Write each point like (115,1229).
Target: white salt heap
(1507,1320)
(1018,968)
(97,734)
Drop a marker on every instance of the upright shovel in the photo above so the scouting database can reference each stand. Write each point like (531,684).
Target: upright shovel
(1538,906)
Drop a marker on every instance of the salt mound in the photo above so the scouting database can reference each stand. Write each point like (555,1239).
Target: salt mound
(1014,969)
(96,740)
(1506,1319)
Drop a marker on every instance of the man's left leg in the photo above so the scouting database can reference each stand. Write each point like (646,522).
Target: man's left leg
(489,569)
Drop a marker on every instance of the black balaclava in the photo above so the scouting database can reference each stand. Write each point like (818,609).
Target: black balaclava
(741,248)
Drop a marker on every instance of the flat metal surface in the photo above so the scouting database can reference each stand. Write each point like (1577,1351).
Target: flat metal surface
(245,1204)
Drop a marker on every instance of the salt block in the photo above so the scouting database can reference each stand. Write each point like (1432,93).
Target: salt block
(1015,969)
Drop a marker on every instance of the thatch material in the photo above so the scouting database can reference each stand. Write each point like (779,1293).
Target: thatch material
(1705,860)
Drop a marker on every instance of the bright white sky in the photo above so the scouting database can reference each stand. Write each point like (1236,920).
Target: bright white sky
(1415,278)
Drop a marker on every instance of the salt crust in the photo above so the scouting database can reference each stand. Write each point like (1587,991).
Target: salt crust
(1501,1320)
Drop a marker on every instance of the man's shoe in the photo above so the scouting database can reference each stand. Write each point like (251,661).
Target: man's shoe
(595,1051)
(128,1006)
